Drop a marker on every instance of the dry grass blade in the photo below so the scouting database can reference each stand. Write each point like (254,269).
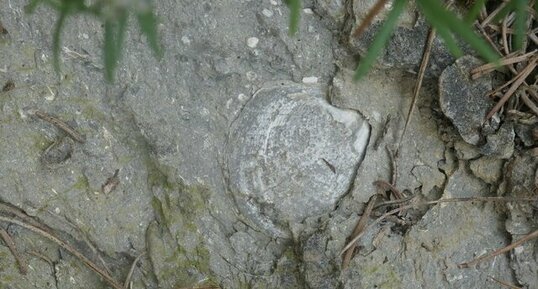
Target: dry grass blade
(62,125)
(361,224)
(451,200)
(504,283)
(528,102)
(489,67)
(5,208)
(67,247)
(519,79)
(517,243)
(23,267)
(378,6)
(418,85)
(389,187)
(130,274)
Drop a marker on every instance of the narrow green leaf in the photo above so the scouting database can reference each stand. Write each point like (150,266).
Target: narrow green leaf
(122,26)
(381,39)
(449,41)
(520,23)
(114,34)
(444,17)
(473,12)
(64,12)
(110,50)
(148,25)
(508,7)
(295,14)
(30,7)
(442,29)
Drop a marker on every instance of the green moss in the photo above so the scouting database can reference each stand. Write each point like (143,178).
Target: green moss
(82,184)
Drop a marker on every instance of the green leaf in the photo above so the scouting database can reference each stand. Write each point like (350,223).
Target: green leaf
(148,25)
(381,39)
(295,15)
(440,17)
(520,23)
(114,34)
(507,8)
(64,12)
(473,12)
(30,7)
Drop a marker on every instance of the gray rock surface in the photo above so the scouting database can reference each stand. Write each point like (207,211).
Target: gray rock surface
(463,100)
(404,48)
(292,155)
(186,134)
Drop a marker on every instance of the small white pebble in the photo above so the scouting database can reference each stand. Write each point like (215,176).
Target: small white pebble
(242,97)
(310,79)
(252,42)
(57,210)
(251,75)
(274,3)
(85,36)
(308,11)
(185,40)
(267,12)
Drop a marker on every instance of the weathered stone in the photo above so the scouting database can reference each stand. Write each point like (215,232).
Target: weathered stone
(487,169)
(464,100)
(521,176)
(405,47)
(466,151)
(501,143)
(292,155)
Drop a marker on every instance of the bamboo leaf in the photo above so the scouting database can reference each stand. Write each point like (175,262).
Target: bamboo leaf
(381,38)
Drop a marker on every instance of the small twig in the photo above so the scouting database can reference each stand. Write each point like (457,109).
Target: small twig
(504,283)
(394,202)
(394,163)
(493,14)
(528,102)
(418,85)
(504,36)
(23,267)
(363,221)
(451,200)
(500,251)
(519,79)
(130,274)
(486,68)
(369,17)
(41,256)
(67,247)
(386,186)
(60,124)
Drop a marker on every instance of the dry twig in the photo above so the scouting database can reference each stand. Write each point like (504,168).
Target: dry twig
(504,283)
(517,243)
(67,247)
(23,267)
(450,200)
(130,274)
(361,224)
(378,6)
(518,80)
